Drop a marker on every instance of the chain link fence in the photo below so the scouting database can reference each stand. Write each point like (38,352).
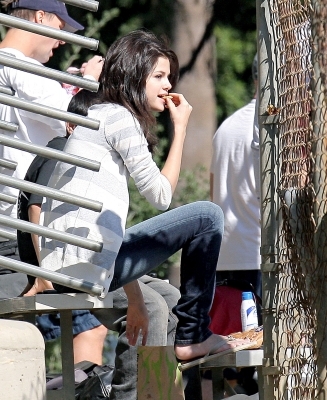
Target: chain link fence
(299,305)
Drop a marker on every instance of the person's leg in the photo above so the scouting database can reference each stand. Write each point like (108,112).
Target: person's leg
(195,228)
(159,297)
(89,334)
(171,296)
(191,377)
(88,345)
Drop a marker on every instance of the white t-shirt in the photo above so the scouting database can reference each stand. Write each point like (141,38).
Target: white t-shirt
(234,190)
(33,127)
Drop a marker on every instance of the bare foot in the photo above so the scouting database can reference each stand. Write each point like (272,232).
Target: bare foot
(214,344)
(28,287)
(40,285)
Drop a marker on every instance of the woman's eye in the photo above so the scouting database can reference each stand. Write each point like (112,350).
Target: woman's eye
(158,76)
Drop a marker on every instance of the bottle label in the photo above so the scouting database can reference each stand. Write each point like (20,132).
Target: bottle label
(249,315)
(252,310)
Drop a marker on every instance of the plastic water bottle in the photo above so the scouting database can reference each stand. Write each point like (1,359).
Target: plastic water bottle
(249,315)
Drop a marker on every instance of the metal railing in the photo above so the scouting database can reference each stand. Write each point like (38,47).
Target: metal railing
(7,97)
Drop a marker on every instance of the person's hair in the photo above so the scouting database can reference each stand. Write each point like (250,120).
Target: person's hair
(82,101)
(128,63)
(80,104)
(22,13)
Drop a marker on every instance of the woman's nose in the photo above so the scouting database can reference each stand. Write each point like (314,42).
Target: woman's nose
(167,85)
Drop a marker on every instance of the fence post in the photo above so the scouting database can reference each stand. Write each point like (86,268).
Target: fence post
(267,94)
(318,84)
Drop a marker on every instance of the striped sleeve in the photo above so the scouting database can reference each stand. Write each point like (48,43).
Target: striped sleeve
(124,134)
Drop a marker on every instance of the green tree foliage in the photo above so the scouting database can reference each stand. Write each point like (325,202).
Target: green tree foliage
(113,19)
(235,53)
(71,54)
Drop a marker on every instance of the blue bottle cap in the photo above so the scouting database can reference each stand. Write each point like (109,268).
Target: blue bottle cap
(247,296)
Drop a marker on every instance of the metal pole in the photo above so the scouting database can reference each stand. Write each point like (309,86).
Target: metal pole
(49,153)
(40,230)
(55,277)
(7,90)
(8,126)
(12,62)
(318,113)
(86,4)
(8,235)
(7,198)
(8,164)
(14,22)
(49,192)
(267,94)
(49,112)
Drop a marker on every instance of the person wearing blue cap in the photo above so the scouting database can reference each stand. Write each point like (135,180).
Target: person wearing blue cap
(55,7)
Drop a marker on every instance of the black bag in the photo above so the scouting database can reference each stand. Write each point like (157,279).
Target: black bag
(97,385)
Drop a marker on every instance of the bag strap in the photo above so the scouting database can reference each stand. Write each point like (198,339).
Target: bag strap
(242,285)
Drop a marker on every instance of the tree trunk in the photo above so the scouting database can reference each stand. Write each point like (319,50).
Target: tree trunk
(197,84)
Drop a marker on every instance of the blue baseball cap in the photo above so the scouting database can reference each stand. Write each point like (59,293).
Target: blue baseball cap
(50,6)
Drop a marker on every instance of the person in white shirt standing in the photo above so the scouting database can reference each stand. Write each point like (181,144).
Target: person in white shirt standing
(232,186)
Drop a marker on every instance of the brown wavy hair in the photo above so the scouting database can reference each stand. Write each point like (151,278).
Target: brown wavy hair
(128,63)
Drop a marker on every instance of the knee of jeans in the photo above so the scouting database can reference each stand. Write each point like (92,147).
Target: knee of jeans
(211,209)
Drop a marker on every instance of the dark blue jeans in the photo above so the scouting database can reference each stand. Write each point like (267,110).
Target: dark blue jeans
(197,230)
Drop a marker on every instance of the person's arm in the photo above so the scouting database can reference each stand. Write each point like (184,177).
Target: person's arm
(40,285)
(137,315)
(92,68)
(155,185)
(34,211)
